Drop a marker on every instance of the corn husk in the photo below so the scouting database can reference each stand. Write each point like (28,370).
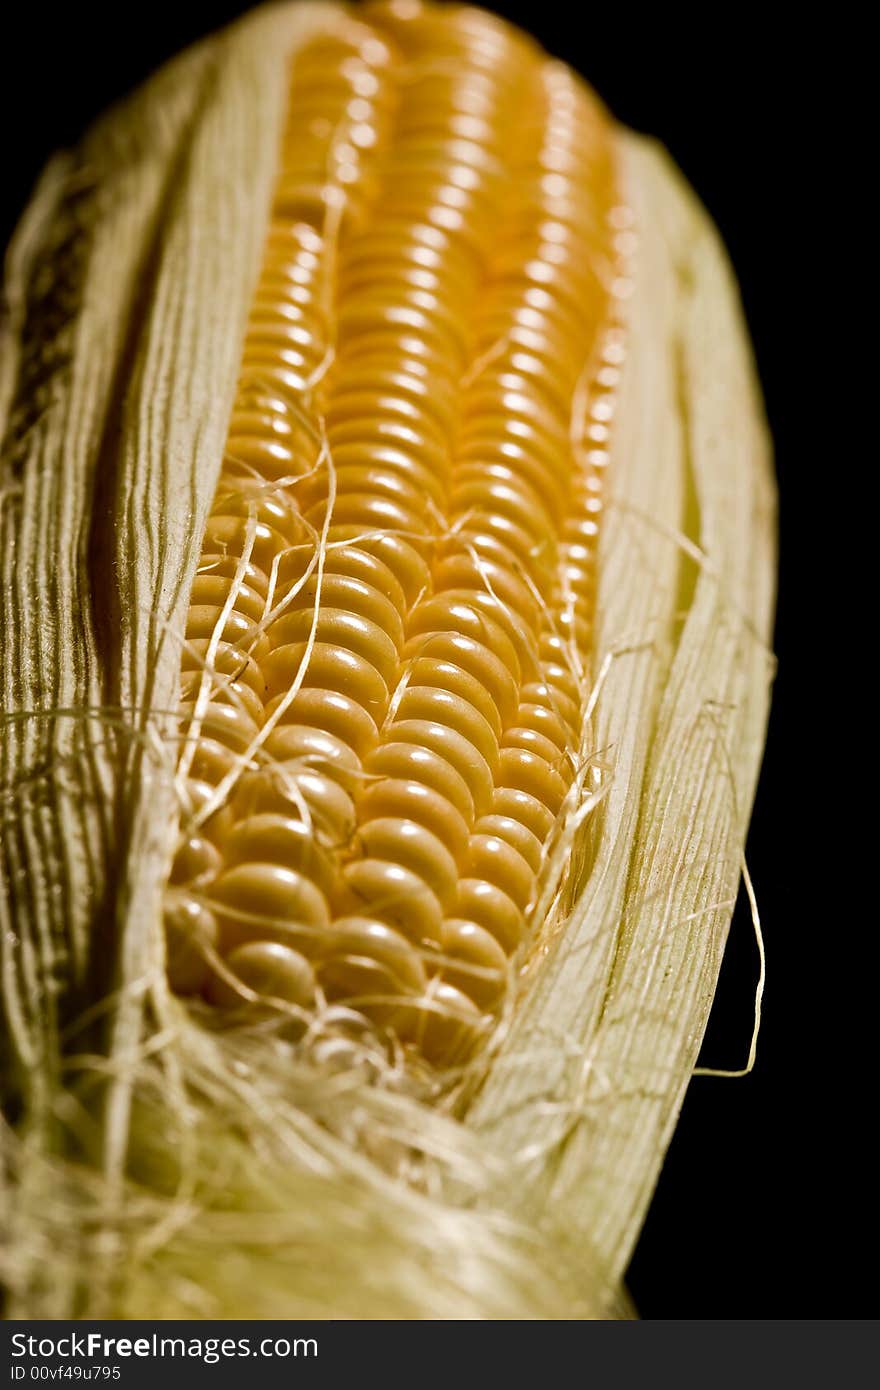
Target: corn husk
(168,1168)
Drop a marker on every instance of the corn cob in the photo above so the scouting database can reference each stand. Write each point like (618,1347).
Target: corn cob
(387,538)
(393,605)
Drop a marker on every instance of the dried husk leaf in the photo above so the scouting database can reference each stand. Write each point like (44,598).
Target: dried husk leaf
(593,1073)
(171,1169)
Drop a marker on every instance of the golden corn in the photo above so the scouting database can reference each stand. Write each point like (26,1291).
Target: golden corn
(388,637)
(387,546)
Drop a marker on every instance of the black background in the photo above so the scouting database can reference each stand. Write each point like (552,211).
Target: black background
(760,1209)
